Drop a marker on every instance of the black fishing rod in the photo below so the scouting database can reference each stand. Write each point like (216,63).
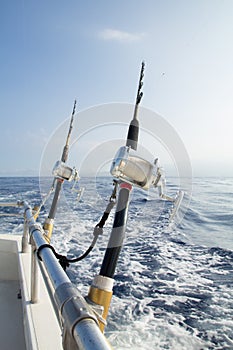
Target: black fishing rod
(101,289)
(61,173)
(119,225)
(133,132)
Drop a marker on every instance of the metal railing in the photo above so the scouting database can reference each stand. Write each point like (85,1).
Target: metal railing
(78,321)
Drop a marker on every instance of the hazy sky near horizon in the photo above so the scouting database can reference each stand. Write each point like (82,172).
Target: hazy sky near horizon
(55,51)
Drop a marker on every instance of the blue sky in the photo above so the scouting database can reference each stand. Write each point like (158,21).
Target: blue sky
(55,51)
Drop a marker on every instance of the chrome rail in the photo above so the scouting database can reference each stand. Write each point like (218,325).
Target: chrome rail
(79,323)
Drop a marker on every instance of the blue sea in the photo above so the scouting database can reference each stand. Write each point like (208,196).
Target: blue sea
(173,284)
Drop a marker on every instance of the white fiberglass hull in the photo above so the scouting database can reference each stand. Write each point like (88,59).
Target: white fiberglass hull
(24,325)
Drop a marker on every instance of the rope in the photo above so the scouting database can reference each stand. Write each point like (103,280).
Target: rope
(98,229)
(112,201)
(62,259)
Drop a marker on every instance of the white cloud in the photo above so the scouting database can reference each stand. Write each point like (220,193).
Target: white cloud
(119,35)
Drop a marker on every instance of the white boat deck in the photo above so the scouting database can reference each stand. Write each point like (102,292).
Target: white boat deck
(11,316)
(23,325)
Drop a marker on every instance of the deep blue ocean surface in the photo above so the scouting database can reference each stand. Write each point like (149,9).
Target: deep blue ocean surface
(174,284)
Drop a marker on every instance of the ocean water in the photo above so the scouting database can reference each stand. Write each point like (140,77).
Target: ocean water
(173,284)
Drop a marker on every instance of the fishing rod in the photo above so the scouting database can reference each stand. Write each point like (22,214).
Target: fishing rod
(133,131)
(61,172)
(119,224)
(100,292)
(129,170)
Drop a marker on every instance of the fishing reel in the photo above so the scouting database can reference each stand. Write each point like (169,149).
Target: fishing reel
(133,169)
(141,173)
(63,172)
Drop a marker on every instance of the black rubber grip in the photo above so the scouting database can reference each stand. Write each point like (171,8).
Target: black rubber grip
(133,132)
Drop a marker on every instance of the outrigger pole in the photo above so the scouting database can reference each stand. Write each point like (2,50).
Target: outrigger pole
(101,289)
(48,224)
